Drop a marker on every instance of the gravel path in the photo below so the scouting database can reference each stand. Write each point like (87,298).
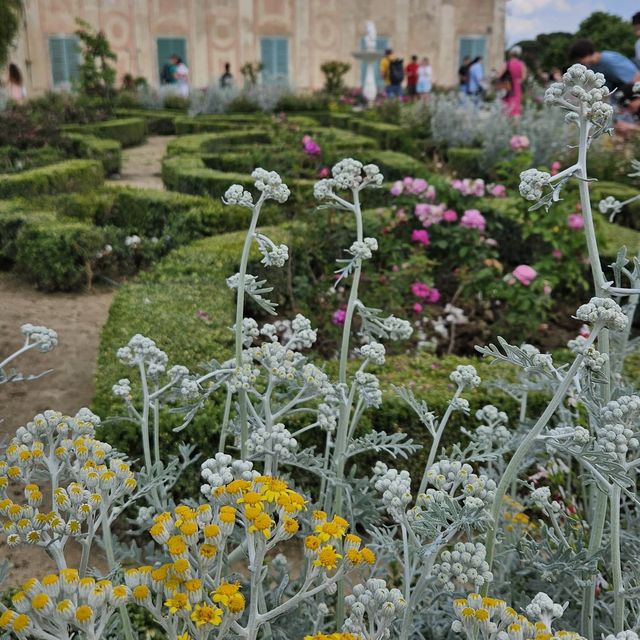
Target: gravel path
(141,165)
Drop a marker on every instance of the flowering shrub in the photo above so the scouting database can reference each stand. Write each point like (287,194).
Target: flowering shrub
(523,500)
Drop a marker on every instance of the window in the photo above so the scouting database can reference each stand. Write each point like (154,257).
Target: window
(64,54)
(382,43)
(168,47)
(274,55)
(472,46)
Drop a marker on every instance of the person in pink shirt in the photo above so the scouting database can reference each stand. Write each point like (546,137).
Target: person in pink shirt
(17,92)
(515,71)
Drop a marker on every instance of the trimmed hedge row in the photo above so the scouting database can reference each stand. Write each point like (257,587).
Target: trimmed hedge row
(200,143)
(129,132)
(157,122)
(14,160)
(108,152)
(62,177)
(465,161)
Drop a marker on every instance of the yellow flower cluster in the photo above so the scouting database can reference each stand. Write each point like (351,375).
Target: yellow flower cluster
(487,617)
(516,520)
(334,636)
(60,600)
(330,537)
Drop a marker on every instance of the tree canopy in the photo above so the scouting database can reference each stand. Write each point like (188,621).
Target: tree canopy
(10,14)
(605,30)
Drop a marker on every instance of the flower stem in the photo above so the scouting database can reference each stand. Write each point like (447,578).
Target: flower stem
(242,396)
(616,562)
(514,464)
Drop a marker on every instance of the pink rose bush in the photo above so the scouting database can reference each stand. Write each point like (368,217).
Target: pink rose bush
(429,214)
(338,317)
(414,187)
(427,294)
(477,188)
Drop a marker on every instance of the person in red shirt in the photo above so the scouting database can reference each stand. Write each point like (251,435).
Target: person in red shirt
(412,76)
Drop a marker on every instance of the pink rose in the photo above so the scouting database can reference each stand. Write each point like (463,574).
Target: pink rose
(323,172)
(449,215)
(401,215)
(419,185)
(420,290)
(473,219)
(524,274)
(575,222)
(396,188)
(429,214)
(519,142)
(417,307)
(434,296)
(557,254)
(555,168)
(395,268)
(547,289)
(421,236)
(408,182)
(498,190)
(338,317)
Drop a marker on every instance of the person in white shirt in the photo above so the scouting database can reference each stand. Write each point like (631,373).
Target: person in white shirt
(425,79)
(182,78)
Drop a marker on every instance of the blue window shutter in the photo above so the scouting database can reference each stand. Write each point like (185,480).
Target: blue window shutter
(267,58)
(282,58)
(382,43)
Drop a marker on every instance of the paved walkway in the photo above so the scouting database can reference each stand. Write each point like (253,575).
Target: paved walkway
(141,165)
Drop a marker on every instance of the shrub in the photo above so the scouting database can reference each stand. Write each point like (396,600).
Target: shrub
(176,103)
(464,161)
(212,142)
(128,132)
(108,152)
(157,122)
(13,217)
(71,175)
(14,160)
(57,255)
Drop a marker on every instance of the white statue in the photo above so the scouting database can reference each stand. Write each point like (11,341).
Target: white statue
(371,39)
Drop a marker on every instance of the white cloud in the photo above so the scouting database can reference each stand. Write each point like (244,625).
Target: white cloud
(527,7)
(519,28)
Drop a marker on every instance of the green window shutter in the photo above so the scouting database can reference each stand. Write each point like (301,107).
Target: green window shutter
(274,55)
(64,54)
(167,47)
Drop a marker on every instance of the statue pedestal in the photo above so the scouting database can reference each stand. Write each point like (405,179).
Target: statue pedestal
(371,59)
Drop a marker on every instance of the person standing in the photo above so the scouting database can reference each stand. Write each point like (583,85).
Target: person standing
(168,73)
(396,78)
(17,91)
(182,78)
(412,77)
(385,69)
(514,72)
(226,79)
(476,77)
(425,79)
(463,75)
(635,23)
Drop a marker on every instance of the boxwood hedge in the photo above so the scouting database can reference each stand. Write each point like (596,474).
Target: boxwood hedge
(108,152)
(62,177)
(127,131)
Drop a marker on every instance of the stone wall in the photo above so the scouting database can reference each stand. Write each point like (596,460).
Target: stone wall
(219,31)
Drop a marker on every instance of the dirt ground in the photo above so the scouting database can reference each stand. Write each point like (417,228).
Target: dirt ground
(78,319)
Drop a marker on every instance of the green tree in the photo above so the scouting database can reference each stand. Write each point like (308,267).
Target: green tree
(608,32)
(10,14)
(334,72)
(96,75)
(548,50)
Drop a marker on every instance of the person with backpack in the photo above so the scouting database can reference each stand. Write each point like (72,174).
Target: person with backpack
(463,75)
(511,76)
(168,73)
(396,78)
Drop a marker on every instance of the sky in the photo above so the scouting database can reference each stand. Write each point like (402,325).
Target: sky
(527,18)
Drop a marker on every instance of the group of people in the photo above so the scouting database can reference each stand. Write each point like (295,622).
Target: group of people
(507,80)
(417,75)
(176,73)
